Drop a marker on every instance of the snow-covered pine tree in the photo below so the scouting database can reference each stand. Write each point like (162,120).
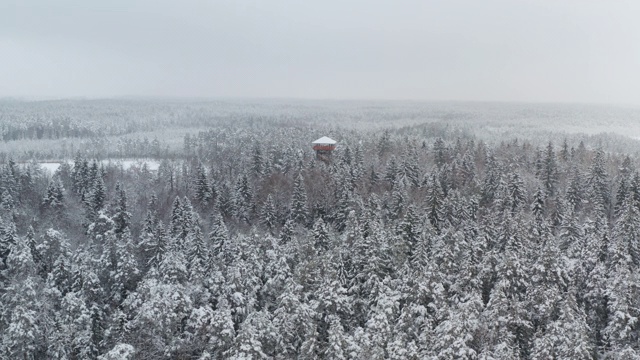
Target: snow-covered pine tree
(201,186)
(299,209)
(434,202)
(268,216)
(320,236)
(218,237)
(54,198)
(121,216)
(198,257)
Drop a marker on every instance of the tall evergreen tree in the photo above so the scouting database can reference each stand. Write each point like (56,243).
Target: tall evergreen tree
(97,197)
(299,210)
(54,198)
(218,236)
(598,180)
(434,203)
(121,216)
(268,214)
(201,185)
(549,175)
(320,235)
(197,254)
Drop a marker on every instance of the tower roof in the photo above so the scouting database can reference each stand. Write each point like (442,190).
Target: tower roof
(325,141)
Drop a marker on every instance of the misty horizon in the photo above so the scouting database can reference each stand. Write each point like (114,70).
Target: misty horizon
(291,99)
(497,51)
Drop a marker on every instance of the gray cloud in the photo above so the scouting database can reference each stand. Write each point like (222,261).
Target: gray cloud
(570,50)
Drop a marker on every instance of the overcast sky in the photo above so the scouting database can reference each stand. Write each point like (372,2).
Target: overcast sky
(489,50)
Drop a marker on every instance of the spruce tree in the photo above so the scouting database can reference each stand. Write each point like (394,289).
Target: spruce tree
(287,232)
(176,217)
(575,191)
(158,247)
(299,209)
(54,198)
(409,229)
(598,180)
(121,216)
(97,198)
(550,170)
(434,202)
(197,254)
(201,185)
(627,230)
(218,236)
(440,152)
(320,235)
(243,204)
(257,165)
(391,174)
(268,214)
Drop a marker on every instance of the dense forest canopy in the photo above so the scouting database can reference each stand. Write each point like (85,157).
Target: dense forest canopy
(433,232)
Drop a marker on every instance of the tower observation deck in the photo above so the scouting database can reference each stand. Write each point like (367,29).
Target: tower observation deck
(323,148)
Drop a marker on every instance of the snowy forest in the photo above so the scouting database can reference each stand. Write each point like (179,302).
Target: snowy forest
(428,234)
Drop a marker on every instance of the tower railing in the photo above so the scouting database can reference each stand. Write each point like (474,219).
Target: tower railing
(321,147)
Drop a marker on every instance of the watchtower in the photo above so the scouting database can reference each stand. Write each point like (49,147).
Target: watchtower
(323,147)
